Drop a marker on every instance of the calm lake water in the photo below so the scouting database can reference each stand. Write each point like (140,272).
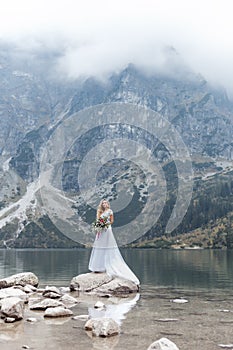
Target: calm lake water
(184,269)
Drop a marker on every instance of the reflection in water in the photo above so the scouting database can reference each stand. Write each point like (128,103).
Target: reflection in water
(116,311)
(103,343)
(168,268)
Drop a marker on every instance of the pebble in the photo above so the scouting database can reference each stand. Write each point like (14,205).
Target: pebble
(81,317)
(226,346)
(99,304)
(9,320)
(180,301)
(31,319)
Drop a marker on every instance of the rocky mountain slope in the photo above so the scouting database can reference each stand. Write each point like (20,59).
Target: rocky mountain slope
(34,102)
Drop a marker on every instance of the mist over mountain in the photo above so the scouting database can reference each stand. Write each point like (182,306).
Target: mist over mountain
(36,98)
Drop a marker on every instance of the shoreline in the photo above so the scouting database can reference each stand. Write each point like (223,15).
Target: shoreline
(203,322)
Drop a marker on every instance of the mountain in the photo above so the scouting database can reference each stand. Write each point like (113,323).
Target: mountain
(35,102)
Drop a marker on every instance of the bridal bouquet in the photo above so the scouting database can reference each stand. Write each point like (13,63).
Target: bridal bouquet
(100,224)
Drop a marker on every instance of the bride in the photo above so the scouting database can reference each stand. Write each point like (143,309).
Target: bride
(105,255)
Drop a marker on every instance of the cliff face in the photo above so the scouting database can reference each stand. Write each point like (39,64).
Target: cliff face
(34,103)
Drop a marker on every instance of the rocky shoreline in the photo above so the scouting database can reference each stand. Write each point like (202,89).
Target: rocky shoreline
(21,291)
(90,313)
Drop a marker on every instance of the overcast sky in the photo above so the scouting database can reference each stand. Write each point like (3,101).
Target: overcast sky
(101,36)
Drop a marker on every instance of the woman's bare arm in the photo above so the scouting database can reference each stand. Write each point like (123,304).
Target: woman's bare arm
(111,219)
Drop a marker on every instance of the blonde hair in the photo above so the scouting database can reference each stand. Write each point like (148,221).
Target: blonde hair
(100,208)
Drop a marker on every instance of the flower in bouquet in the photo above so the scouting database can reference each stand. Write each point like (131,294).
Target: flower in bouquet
(100,224)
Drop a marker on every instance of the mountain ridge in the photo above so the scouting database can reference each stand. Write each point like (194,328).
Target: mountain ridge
(201,114)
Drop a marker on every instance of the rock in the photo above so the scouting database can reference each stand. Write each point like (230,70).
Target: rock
(46,303)
(163,344)
(25,347)
(31,319)
(57,312)
(81,317)
(104,327)
(40,290)
(32,301)
(89,281)
(64,290)
(88,325)
(51,292)
(226,346)
(21,279)
(99,304)
(102,284)
(180,301)
(51,289)
(51,295)
(9,320)
(12,307)
(117,286)
(13,292)
(224,310)
(68,300)
(167,320)
(27,289)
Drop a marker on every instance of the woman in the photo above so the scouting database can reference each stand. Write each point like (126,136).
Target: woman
(105,255)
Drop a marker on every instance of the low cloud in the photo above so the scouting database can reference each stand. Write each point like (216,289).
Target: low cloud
(98,38)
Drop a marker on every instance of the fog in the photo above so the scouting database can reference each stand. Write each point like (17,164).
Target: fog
(97,38)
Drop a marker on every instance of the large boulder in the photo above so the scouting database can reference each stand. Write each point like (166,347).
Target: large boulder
(12,307)
(163,344)
(102,284)
(117,286)
(21,279)
(102,327)
(88,281)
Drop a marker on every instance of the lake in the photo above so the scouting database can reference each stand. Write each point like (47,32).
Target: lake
(186,269)
(203,277)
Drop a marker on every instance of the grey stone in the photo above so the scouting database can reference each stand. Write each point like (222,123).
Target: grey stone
(46,303)
(51,289)
(89,281)
(81,317)
(31,319)
(163,344)
(13,292)
(88,325)
(12,307)
(57,312)
(68,300)
(117,286)
(102,327)
(99,304)
(180,301)
(22,279)
(9,320)
(29,288)
(102,284)
(51,295)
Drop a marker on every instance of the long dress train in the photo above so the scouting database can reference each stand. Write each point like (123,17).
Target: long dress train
(106,256)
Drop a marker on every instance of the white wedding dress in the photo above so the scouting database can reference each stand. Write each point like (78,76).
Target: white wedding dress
(106,256)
